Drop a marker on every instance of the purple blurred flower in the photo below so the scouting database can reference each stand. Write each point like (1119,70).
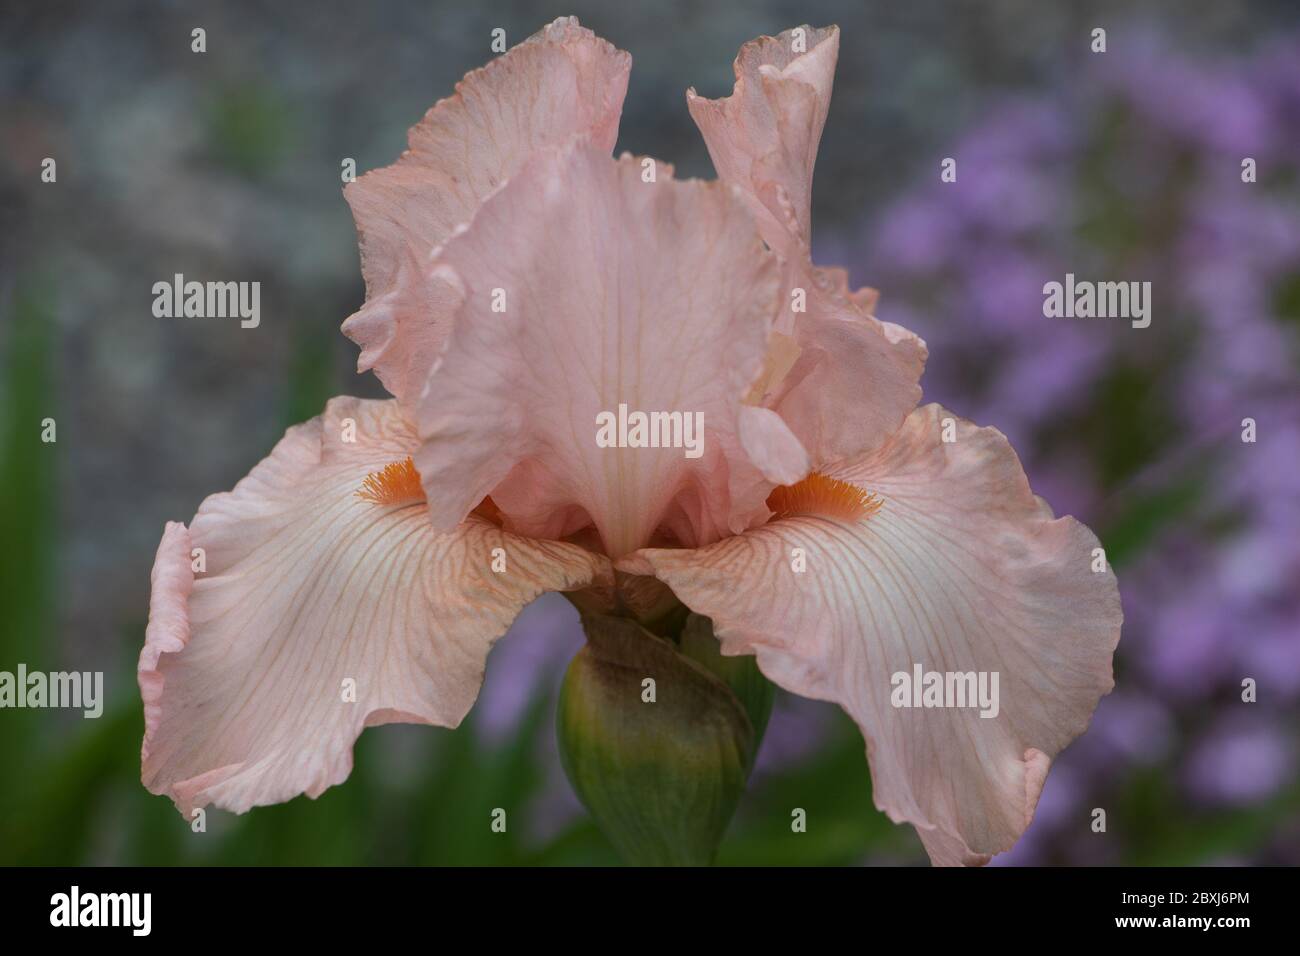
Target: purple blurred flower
(1242,760)
(532,655)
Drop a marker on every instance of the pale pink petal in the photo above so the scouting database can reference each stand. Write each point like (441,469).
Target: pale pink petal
(401,329)
(854,381)
(763,138)
(836,279)
(771,445)
(584,287)
(961,569)
(562,82)
(304,587)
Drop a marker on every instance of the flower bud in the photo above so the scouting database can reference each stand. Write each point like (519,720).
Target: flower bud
(657,746)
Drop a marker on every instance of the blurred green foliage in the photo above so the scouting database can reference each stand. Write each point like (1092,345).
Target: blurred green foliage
(28,516)
(249,129)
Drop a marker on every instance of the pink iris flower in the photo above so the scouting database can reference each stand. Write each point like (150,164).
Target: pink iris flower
(521,282)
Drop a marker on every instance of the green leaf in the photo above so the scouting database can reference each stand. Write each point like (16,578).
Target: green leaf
(29,470)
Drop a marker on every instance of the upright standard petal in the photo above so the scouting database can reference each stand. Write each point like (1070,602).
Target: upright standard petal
(596,294)
(763,138)
(294,612)
(925,557)
(562,82)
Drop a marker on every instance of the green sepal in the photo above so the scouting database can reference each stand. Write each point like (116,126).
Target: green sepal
(741,674)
